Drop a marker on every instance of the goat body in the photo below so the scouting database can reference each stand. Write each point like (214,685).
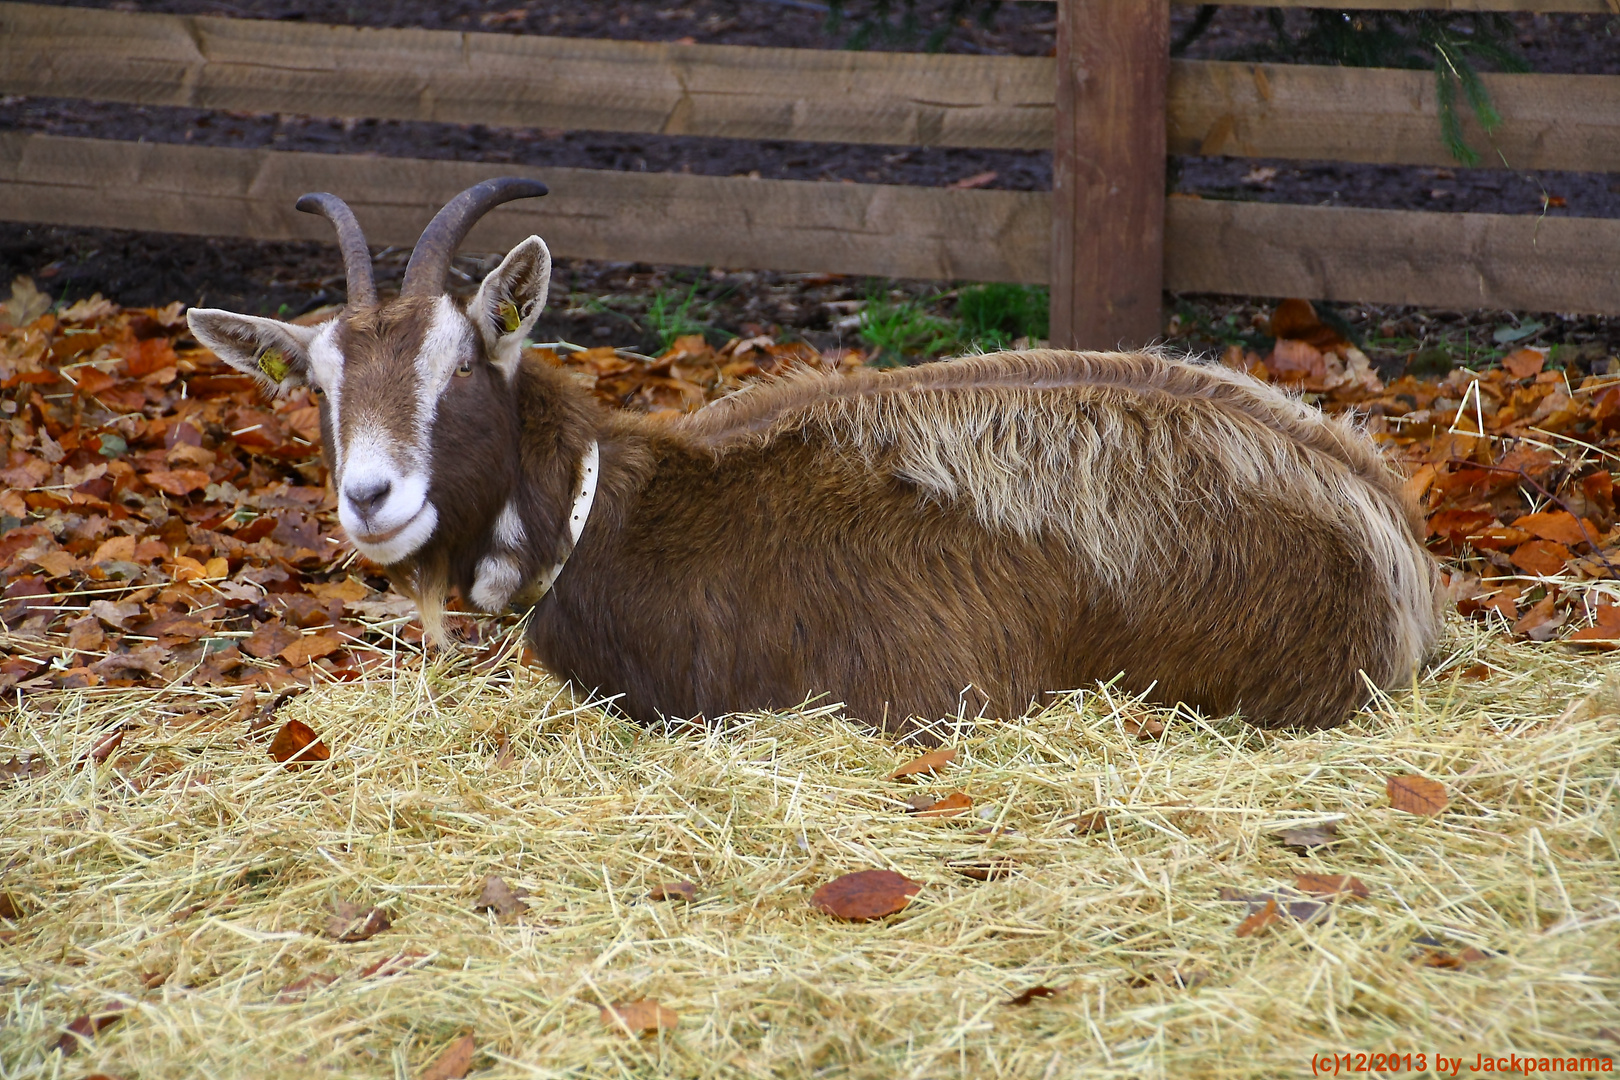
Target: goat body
(984,531)
(969,534)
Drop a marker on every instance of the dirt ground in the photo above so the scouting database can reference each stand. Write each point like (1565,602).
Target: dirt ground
(148,269)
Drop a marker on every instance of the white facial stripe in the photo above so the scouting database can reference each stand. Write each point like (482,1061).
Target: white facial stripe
(448,341)
(498,578)
(509,528)
(326,364)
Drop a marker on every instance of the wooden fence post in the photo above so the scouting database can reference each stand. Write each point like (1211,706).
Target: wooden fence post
(1108,162)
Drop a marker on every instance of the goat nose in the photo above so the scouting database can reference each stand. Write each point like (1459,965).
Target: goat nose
(368,495)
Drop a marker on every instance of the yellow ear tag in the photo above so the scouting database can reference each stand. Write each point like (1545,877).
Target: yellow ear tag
(274,367)
(510,319)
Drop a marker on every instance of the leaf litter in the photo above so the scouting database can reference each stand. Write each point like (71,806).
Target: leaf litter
(184,816)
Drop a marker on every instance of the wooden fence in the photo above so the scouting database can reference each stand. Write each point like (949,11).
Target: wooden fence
(1111,105)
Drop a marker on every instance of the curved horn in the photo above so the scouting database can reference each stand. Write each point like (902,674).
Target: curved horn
(356,256)
(424,274)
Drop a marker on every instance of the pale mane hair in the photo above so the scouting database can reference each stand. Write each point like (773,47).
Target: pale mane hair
(1086,445)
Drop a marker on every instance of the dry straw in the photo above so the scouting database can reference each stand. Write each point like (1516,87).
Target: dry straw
(189,879)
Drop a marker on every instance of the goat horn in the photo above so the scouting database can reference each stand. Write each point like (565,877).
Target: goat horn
(425,273)
(356,256)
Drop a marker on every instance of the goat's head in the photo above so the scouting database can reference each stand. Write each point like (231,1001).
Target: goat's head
(414,402)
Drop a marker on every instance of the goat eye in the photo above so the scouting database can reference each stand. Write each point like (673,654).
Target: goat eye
(317,391)
(465,369)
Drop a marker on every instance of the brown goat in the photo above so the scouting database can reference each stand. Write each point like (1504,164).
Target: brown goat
(980,531)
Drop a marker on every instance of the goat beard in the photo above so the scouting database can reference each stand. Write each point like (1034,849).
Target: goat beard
(426,581)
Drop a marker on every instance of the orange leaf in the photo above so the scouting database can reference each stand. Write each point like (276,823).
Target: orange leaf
(310,647)
(177,481)
(268,640)
(1330,885)
(1542,557)
(953,805)
(453,1062)
(297,746)
(1525,363)
(1560,526)
(1259,920)
(639,1017)
(868,894)
(1541,615)
(1417,794)
(1145,729)
(931,762)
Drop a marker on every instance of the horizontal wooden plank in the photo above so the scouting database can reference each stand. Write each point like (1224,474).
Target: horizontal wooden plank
(654,217)
(505,79)
(1268,110)
(1460,261)
(1589,7)
(1389,117)
(1257,249)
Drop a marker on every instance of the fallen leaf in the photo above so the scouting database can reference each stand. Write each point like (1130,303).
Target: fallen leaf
(867,894)
(983,869)
(1541,622)
(268,640)
(300,989)
(297,746)
(310,647)
(500,897)
(1559,526)
(953,805)
(1417,794)
(1543,558)
(1024,997)
(639,1017)
(104,746)
(1330,885)
(1311,836)
(355,922)
(931,762)
(453,1061)
(1258,921)
(78,1034)
(1524,363)
(1089,822)
(1144,728)
(10,907)
(177,481)
(674,890)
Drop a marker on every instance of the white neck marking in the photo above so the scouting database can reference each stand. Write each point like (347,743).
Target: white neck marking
(589,470)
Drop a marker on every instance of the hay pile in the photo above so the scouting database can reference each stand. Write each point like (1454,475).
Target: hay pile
(191,880)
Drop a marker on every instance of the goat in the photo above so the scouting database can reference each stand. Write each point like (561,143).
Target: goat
(1003,525)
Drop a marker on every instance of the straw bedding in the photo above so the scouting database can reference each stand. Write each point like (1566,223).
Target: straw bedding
(189,879)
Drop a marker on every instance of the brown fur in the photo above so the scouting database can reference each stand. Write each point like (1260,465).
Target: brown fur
(768,550)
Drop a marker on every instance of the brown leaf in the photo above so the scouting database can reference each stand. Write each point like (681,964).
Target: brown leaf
(639,1017)
(300,989)
(1417,794)
(355,922)
(867,894)
(1089,822)
(953,805)
(389,966)
(77,1034)
(1541,622)
(453,1062)
(268,640)
(1559,526)
(931,762)
(24,768)
(1024,997)
(500,897)
(297,746)
(1541,557)
(11,908)
(1311,836)
(1331,885)
(1524,363)
(311,647)
(983,869)
(246,706)
(1259,920)
(674,890)
(104,746)
(1144,728)
(177,481)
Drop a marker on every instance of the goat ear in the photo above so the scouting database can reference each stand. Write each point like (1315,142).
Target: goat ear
(275,353)
(510,300)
